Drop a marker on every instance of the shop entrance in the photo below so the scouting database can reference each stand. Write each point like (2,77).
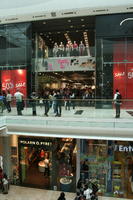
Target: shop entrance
(47,163)
(35,166)
(79,82)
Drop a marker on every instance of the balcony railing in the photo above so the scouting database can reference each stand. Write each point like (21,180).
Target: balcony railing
(76,108)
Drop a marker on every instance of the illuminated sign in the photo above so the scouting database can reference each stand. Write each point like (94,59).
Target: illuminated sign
(123,148)
(14,79)
(35,142)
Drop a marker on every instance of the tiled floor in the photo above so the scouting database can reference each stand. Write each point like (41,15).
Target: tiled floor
(24,193)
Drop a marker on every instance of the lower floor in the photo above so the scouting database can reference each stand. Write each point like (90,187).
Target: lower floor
(68,164)
(23,193)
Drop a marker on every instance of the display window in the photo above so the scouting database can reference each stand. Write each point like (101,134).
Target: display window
(109,165)
(47,163)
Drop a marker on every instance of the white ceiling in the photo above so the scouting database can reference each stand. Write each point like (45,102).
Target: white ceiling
(20,7)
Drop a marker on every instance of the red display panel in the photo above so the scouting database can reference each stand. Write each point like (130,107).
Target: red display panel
(13,80)
(123,72)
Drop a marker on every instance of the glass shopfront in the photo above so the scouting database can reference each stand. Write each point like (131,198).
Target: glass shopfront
(114,58)
(109,164)
(48,163)
(64,55)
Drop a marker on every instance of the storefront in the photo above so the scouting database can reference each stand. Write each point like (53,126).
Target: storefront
(48,163)
(114,58)
(109,165)
(64,56)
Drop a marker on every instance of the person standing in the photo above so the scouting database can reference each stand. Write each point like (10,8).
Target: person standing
(117,102)
(5,185)
(87,192)
(33,103)
(58,104)
(46,102)
(19,101)
(62,196)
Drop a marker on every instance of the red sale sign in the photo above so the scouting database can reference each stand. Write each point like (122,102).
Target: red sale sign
(13,80)
(123,72)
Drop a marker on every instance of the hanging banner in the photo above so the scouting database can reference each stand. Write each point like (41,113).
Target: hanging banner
(65,64)
(14,79)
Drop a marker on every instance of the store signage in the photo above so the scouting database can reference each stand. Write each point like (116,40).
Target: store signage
(65,64)
(123,148)
(14,79)
(35,142)
(119,74)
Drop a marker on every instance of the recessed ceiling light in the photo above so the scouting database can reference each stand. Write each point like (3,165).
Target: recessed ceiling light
(69,20)
(82,20)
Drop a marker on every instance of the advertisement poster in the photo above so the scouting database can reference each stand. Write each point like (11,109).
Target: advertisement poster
(123,73)
(65,64)
(13,80)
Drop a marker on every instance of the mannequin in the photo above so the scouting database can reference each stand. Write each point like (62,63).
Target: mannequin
(75,49)
(68,48)
(42,154)
(81,49)
(55,50)
(61,49)
(47,164)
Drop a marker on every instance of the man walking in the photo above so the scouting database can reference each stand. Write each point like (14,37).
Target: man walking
(19,101)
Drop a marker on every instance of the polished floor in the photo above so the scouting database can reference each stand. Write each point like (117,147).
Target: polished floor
(24,193)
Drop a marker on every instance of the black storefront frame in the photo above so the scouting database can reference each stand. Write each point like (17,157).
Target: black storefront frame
(36,141)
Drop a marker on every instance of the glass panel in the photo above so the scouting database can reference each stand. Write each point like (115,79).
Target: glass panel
(108,164)
(15,40)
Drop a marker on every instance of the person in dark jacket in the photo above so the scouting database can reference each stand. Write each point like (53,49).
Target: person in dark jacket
(62,196)
(58,104)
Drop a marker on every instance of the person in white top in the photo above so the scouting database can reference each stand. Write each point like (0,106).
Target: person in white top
(19,101)
(87,192)
(5,185)
(8,101)
(117,102)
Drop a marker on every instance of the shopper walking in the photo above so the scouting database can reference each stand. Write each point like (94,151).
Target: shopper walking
(8,101)
(19,101)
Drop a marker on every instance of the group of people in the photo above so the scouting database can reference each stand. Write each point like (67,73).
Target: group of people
(6,98)
(86,190)
(4,183)
(66,97)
